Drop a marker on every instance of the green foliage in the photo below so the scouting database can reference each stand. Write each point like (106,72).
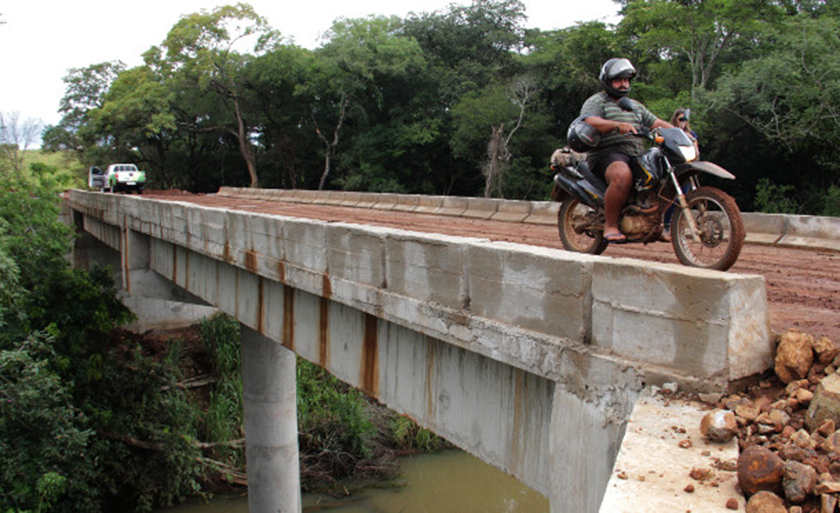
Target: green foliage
(332,420)
(84,420)
(44,440)
(776,199)
(409,105)
(220,335)
(50,487)
(784,99)
(223,418)
(146,427)
(831,205)
(409,436)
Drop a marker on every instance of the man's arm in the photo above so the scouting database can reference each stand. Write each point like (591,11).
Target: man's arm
(605,126)
(661,124)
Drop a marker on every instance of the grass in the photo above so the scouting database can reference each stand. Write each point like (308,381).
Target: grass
(64,162)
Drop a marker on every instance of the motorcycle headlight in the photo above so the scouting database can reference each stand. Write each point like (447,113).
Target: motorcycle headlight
(689,153)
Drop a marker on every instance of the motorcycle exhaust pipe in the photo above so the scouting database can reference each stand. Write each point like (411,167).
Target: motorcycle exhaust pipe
(578,189)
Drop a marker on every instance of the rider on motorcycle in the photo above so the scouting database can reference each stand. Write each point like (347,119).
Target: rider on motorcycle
(611,155)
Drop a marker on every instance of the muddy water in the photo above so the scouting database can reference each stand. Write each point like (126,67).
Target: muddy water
(446,482)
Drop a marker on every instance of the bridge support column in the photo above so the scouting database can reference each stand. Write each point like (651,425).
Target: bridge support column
(583,444)
(270,403)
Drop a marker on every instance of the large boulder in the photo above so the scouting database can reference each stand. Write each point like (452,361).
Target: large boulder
(760,469)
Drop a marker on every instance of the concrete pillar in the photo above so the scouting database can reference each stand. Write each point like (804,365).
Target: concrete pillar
(583,444)
(88,251)
(271,446)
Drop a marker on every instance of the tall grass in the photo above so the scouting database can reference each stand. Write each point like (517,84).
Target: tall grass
(222,420)
(340,433)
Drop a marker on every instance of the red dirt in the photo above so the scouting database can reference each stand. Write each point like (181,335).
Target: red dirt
(803,286)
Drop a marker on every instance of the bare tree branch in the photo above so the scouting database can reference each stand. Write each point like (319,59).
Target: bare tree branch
(16,137)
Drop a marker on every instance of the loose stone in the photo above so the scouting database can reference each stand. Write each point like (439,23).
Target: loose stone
(719,426)
(760,469)
(766,502)
(799,481)
(794,356)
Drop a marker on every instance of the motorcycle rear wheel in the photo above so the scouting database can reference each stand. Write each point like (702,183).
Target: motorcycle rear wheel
(720,226)
(571,219)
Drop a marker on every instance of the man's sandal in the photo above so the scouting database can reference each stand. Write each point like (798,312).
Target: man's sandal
(615,238)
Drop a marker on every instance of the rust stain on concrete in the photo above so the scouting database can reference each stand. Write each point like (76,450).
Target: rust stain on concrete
(251,261)
(186,270)
(125,270)
(518,414)
(174,264)
(370,357)
(289,318)
(226,256)
(324,324)
(430,379)
(260,305)
(281,272)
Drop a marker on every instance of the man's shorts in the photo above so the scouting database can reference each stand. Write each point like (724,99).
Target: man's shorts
(601,161)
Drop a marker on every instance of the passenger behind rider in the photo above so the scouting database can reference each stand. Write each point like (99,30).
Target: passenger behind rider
(611,157)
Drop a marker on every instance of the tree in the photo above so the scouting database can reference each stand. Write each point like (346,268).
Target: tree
(199,51)
(16,136)
(360,56)
(698,32)
(792,94)
(85,90)
(468,46)
(494,110)
(136,118)
(789,96)
(289,147)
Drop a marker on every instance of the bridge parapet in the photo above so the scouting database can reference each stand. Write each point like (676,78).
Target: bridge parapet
(819,232)
(538,309)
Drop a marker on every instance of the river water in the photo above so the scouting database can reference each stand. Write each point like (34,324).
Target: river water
(446,482)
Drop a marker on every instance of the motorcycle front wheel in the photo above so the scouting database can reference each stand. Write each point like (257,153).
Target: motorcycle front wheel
(573,222)
(720,230)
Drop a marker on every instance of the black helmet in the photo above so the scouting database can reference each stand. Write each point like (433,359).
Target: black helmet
(616,68)
(582,136)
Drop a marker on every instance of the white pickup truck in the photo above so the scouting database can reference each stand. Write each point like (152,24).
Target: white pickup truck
(118,177)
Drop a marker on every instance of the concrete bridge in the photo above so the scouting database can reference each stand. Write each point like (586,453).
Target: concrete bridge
(529,358)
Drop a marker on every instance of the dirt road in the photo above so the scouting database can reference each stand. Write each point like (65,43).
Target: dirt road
(803,286)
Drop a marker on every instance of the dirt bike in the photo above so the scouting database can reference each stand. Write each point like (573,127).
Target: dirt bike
(706,229)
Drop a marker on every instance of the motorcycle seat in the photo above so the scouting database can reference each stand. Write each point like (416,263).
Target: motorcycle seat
(583,168)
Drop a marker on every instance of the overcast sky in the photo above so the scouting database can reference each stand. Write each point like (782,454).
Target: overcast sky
(41,40)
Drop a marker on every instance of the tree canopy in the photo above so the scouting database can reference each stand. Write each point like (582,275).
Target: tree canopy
(428,104)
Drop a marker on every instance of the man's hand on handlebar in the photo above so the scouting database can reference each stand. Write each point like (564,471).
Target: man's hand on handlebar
(624,128)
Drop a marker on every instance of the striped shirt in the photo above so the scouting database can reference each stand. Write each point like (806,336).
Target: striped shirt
(604,106)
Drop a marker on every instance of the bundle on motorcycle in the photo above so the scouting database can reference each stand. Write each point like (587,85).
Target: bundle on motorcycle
(706,230)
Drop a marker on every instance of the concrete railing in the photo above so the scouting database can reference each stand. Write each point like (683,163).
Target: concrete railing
(772,229)
(505,301)
(817,232)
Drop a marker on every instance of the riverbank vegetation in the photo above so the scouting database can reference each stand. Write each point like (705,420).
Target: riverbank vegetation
(96,418)
(465,100)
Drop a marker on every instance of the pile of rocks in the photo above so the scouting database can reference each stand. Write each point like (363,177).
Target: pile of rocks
(788,430)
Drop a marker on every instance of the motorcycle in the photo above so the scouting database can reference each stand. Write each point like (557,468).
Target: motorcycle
(706,230)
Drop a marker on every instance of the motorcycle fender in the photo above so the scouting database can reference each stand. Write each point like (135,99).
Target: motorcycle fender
(582,190)
(703,167)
